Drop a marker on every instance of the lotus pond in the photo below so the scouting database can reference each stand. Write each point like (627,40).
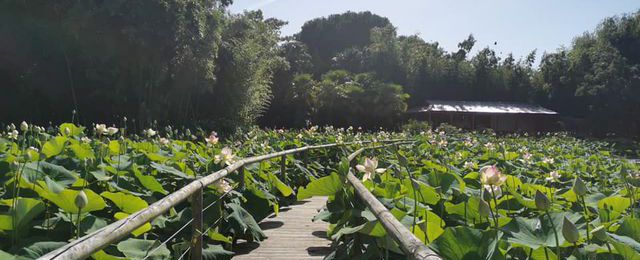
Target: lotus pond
(466,195)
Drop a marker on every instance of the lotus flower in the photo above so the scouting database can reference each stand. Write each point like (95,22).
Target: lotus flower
(13,135)
(223,186)
(101,129)
(553,176)
(548,160)
(112,130)
(212,139)
(164,141)
(491,175)
(225,157)
(370,168)
(149,132)
(470,165)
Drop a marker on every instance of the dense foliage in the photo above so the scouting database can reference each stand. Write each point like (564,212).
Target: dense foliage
(595,79)
(194,63)
(65,182)
(183,62)
(479,196)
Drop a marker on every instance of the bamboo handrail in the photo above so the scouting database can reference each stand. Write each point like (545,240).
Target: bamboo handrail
(409,243)
(85,246)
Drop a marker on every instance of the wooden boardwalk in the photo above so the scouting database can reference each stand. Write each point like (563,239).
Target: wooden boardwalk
(291,235)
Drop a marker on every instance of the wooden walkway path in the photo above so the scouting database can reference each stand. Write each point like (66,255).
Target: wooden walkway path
(291,235)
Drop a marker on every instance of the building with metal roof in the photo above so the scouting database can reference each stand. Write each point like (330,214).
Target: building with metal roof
(500,116)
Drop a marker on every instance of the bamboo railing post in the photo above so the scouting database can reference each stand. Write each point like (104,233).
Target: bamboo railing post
(197,225)
(283,167)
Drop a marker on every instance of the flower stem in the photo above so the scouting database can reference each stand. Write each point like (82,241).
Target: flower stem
(555,233)
(586,216)
(495,201)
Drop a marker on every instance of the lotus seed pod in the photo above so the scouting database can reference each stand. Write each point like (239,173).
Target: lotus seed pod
(81,200)
(579,188)
(600,233)
(483,208)
(542,201)
(569,231)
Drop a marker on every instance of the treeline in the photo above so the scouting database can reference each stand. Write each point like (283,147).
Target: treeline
(184,62)
(594,84)
(191,62)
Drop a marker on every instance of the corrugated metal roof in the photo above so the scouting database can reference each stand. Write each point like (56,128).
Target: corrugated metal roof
(481,107)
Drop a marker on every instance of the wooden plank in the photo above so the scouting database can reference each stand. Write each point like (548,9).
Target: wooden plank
(291,235)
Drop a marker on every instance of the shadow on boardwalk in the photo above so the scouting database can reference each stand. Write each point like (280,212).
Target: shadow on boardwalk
(291,235)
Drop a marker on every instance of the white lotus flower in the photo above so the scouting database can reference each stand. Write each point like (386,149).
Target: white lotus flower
(470,165)
(24,126)
(223,186)
(85,139)
(112,130)
(150,132)
(225,157)
(527,156)
(548,160)
(490,146)
(370,168)
(212,139)
(13,134)
(491,175)
(164,141)
(553,176)
(101,129)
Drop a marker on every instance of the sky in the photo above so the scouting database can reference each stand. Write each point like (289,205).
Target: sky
(517,26)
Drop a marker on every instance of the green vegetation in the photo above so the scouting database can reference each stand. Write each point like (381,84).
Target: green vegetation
(489,196)
(69,181)
(479,196)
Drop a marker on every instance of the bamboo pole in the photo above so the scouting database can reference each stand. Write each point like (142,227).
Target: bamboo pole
(197,225)
(409,243)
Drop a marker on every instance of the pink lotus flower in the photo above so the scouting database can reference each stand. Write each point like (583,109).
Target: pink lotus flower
(212,139)
(491,175)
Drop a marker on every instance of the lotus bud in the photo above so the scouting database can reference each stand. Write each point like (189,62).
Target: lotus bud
(67,131)
(81,200)
(483,208)
(12,127)
(600,233)
(569,231)
(24,126)
(542,201)
(579,188)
